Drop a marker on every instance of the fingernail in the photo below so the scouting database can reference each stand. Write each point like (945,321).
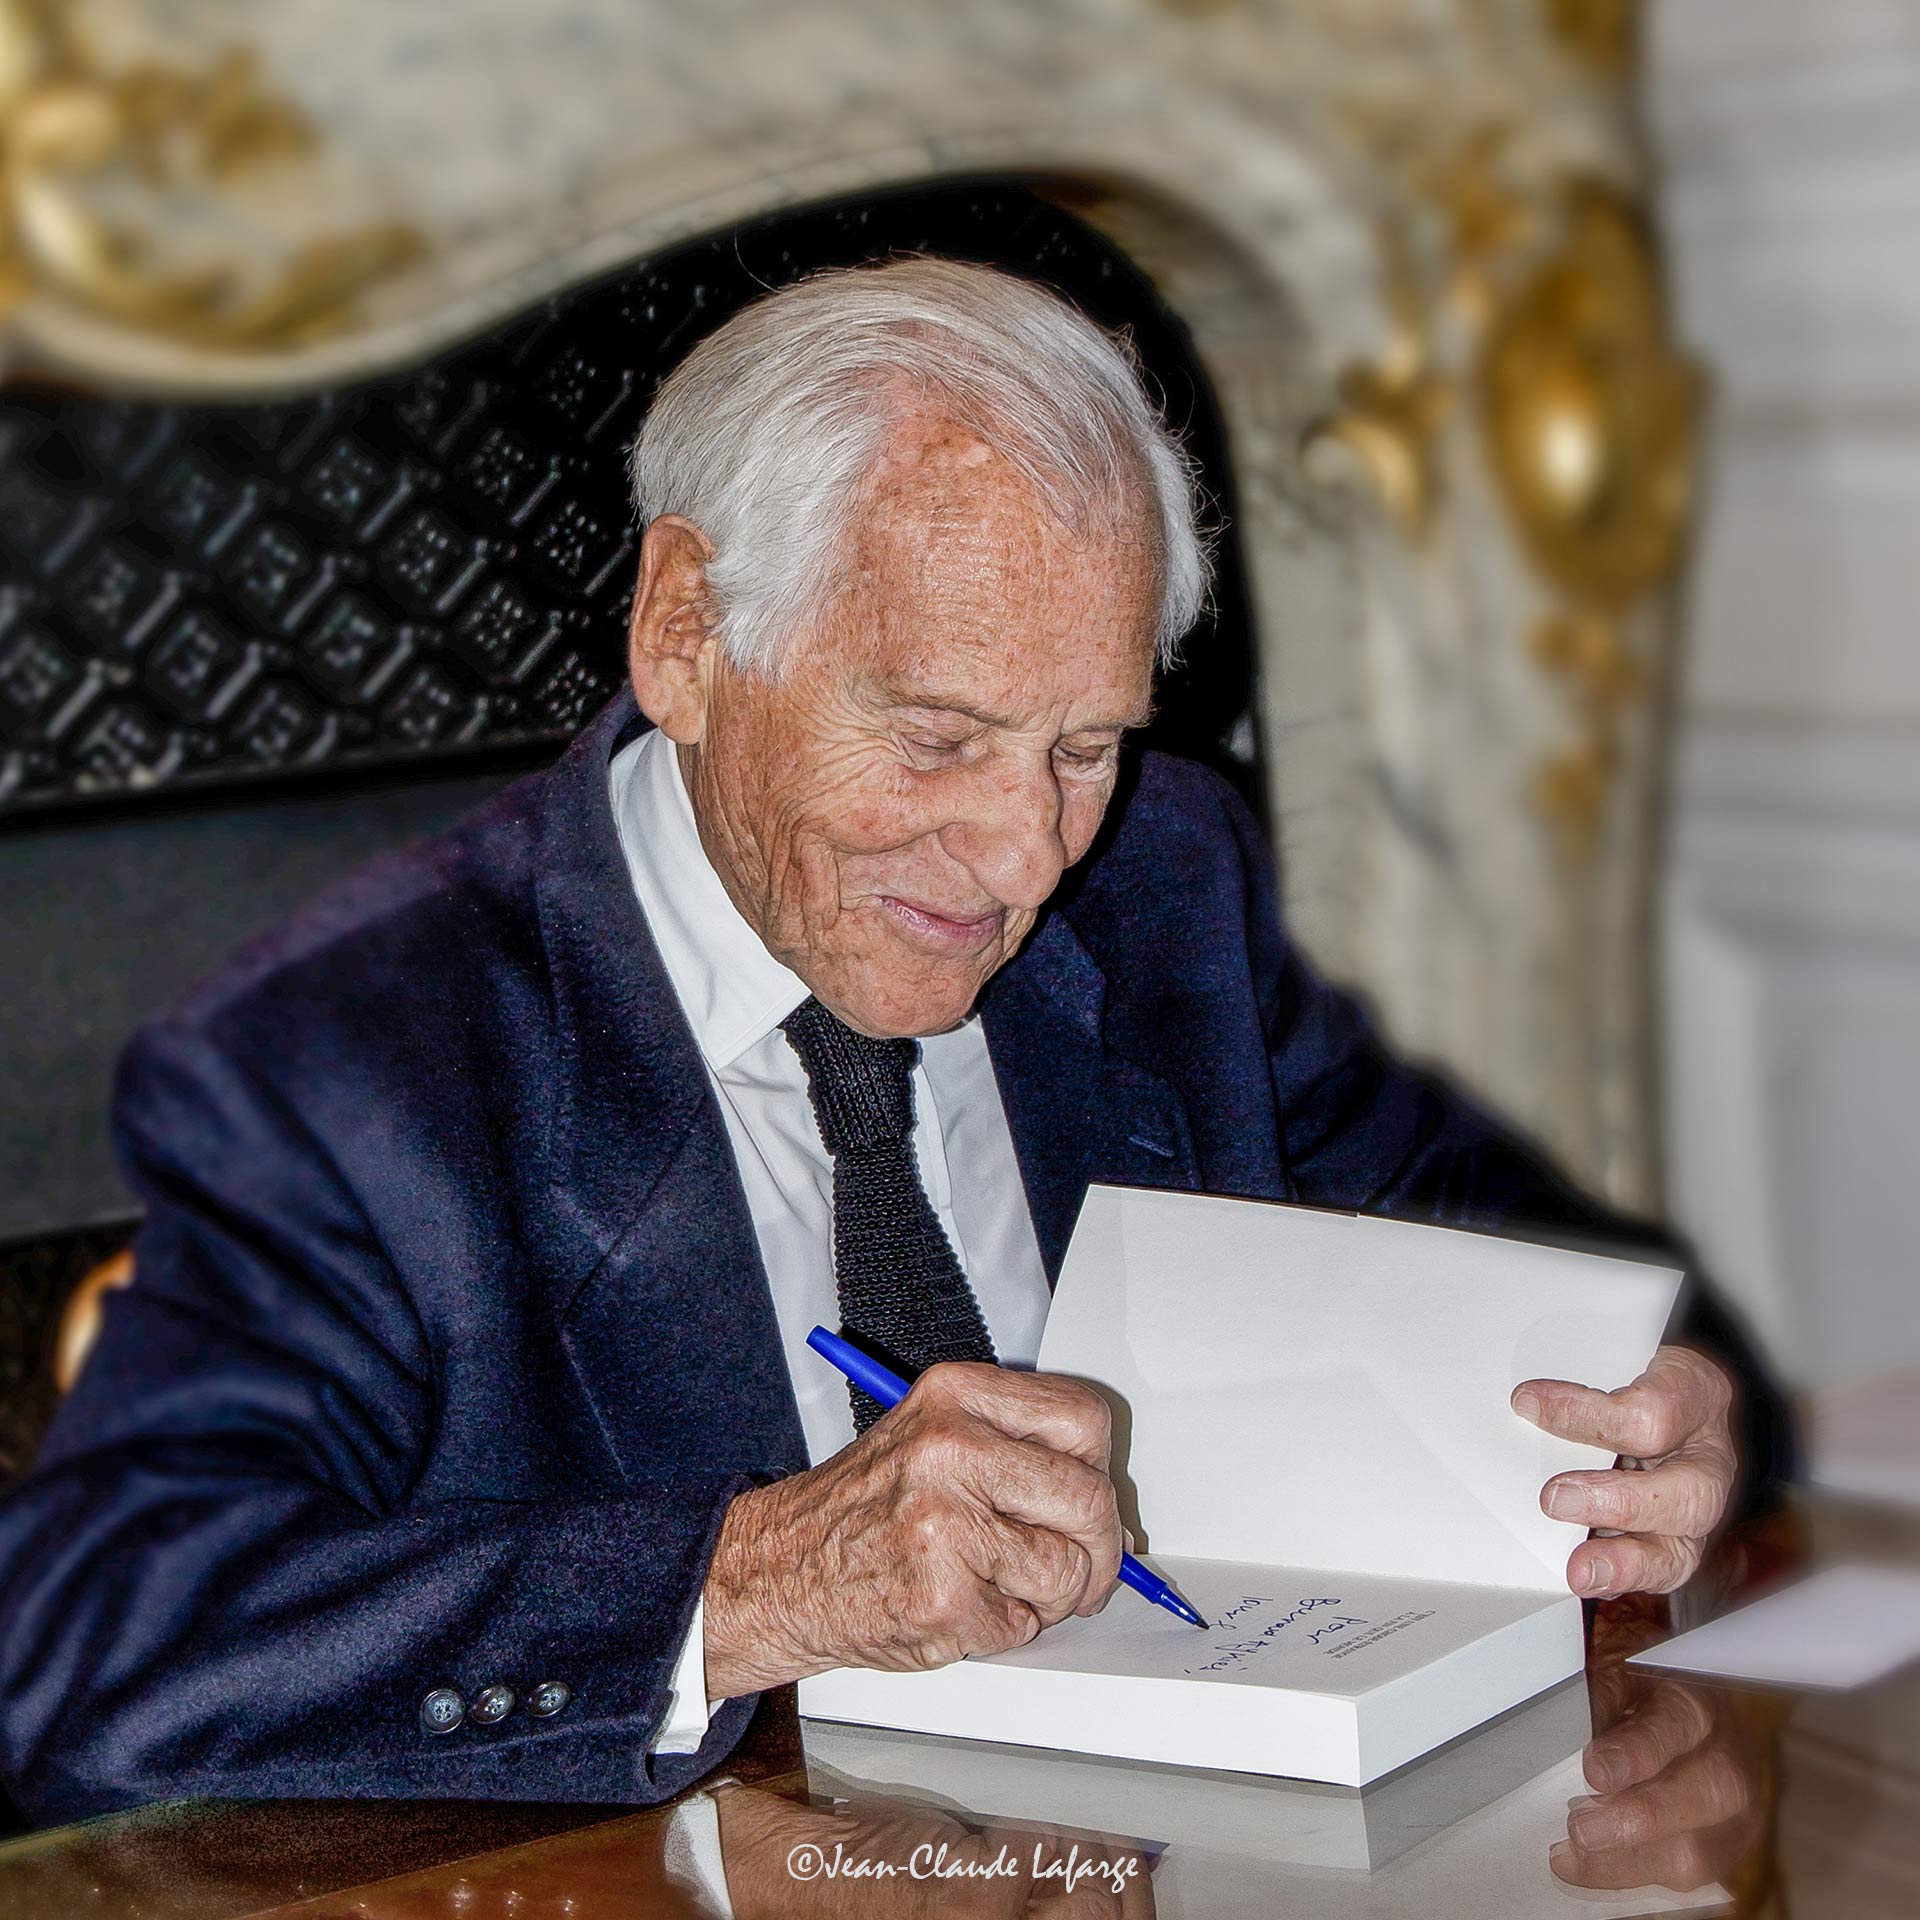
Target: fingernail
(1607,1771)
(1591,1827)
(1526,1403)
(1596,1574)
(1560,1855)
(1566,1500)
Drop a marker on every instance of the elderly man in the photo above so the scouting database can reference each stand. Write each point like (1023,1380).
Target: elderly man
(458,1436)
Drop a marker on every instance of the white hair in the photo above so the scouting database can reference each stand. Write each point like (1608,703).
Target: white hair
(765,435)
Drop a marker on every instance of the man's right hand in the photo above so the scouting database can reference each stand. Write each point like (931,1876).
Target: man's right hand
(974,1514)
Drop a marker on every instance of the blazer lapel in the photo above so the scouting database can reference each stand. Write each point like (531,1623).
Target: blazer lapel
(657,1284)
(1080,1105)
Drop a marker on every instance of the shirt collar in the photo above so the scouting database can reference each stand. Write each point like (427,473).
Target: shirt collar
(732,990)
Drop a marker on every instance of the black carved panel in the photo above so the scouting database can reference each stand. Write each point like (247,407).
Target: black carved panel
(438,563)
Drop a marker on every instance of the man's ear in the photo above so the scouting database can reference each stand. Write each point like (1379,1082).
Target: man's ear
(670,634)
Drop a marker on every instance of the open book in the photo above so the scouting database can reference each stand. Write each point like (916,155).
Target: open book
(1312,1440)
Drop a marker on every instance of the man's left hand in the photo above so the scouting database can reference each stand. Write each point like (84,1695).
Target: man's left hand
(1673,1430)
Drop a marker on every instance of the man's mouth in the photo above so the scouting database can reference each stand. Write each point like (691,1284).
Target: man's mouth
(953,933)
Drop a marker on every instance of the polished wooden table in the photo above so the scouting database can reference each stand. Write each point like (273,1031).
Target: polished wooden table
(1768,1803)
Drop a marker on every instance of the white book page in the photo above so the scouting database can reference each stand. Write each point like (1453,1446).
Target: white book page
(1303,1388)
(1343,1634)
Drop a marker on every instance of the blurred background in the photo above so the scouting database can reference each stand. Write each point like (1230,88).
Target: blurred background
(1551,363)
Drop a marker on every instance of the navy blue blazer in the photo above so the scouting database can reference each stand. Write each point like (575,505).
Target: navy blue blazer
(451,1342)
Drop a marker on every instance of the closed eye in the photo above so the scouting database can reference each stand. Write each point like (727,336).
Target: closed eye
(1091,759)
(927,751)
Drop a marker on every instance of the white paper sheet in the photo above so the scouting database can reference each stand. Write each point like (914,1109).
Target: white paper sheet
(1843,1627)
(1298,1387)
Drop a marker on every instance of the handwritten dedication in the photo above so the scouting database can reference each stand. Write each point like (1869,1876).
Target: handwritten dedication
(1261,1622)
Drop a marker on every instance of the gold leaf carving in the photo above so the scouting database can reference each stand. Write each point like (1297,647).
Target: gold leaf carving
(1590,653)
(1589,419)
(1588,413)
(67,124)
(1552,295)
(1570,790)
(1391,411)
(1603,33)
(1488,220)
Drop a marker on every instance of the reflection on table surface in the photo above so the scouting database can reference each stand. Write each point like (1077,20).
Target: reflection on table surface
(1630,1792)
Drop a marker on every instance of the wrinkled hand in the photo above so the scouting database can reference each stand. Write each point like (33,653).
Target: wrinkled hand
(1681,1796)
(792,1859)
(1675,1424)
(974,1514)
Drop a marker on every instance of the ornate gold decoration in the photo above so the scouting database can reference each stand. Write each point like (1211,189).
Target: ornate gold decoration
(1604,33)
(1392,408)
(1391,411)
(1587,648)
(67,123)
(1590,653)
(1488,221)
(1589,418)
(1589,414)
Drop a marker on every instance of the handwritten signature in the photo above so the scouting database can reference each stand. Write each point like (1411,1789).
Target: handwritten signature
(1334,1626)
(1235,1653)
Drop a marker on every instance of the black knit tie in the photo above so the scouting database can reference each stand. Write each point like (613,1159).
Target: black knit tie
(901,1288)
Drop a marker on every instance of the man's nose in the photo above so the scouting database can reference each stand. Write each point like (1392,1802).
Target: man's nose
(1008,833)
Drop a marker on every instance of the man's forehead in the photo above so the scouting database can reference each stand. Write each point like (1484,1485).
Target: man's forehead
(1067,668)
(936,465)
(965,591)
(959,518)
(972,702)
(947,491)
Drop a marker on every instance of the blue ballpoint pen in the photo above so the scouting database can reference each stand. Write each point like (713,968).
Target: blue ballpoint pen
(889,1389)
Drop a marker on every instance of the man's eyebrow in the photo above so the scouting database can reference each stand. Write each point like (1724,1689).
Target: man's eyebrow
(929,702)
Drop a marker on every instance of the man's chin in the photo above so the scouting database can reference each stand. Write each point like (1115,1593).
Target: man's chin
(910,1024)
(892,993)
(915,1016)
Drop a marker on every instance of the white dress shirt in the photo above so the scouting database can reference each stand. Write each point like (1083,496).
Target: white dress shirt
(734,994)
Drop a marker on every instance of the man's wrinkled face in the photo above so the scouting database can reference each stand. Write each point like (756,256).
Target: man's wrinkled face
(892,811)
